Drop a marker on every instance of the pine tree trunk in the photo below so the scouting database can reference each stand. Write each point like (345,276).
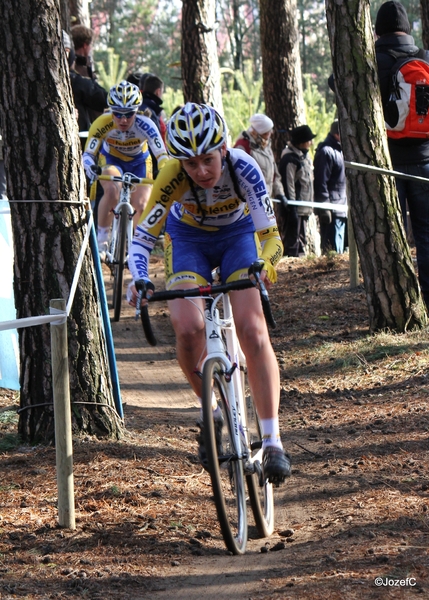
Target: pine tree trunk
(42,161)
(391,285)
(281,68)
(424,9)
(79,11)
(200,63)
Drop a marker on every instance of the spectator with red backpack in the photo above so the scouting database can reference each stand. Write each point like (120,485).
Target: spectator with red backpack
(404,86)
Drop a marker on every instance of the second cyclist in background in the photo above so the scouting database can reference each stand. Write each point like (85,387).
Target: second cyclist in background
(118,141)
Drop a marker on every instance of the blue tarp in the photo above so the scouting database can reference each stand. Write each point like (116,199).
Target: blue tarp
(9,354)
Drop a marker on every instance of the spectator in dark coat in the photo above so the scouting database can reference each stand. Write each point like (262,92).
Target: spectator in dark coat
(82,42)
(89,98)
(152,89)
(330,186)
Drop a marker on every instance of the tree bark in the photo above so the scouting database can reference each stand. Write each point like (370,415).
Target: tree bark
(79,12)
(424,9)
(391,285)
(281,68)
(200,63)
(46,188)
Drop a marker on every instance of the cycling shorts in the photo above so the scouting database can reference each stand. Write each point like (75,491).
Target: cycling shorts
(191,254)
(141,166)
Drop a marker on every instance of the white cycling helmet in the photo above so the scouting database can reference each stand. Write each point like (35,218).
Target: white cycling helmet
(124,97)
(193,130)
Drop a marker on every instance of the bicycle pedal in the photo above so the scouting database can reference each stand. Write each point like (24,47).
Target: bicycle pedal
(259,472)
(256,445)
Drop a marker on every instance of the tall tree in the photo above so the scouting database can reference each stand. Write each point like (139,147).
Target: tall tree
(314,44)
(200,64)
(46,185)
(239,34)
(424,8)
(391,285)
(281,68)
(78,10)
(144,35)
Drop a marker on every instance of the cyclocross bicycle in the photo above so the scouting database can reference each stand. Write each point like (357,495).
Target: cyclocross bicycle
(121,234)
(224,373)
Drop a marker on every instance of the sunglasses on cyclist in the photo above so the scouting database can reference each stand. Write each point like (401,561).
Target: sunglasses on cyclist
(127,115)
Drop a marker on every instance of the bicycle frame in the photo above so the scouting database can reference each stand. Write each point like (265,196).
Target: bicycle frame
(224,368)
(231,356)
(124,198)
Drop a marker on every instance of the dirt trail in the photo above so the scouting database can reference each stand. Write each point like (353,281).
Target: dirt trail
(150,378)
(353,415)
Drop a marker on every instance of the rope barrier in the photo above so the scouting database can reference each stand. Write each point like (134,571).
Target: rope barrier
(61,316)
(360,167)
(322,205)
(71,202)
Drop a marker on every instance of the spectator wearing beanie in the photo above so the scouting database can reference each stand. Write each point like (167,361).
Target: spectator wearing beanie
(256,141)
(296,171)
(408,155)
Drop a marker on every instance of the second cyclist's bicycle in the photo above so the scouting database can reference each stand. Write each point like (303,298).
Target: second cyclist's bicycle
(237,460)
(121,234)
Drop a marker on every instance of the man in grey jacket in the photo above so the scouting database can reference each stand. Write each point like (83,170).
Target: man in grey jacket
(296,171)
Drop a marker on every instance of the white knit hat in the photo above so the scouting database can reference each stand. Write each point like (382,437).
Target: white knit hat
(261,123)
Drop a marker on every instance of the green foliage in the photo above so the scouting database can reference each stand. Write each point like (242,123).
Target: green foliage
(242,97)
(171,99)
(145,35)
(115,72)
(314,43)
(240,104)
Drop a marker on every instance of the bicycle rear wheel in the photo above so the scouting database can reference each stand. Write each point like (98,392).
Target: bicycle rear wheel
(226,470)
(119,262)
(261,492)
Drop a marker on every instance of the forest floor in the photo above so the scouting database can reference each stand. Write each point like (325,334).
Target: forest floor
(352,522)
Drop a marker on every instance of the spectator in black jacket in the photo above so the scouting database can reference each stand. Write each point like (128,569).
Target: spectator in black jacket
(330,186)
(152,89)
(409,154)
(82,41)
(89,99)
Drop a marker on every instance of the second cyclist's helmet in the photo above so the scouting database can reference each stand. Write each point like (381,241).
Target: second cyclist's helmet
(124,96)
(193,130)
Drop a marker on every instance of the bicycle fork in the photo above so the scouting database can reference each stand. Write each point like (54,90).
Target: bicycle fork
(230,358)
(117,213)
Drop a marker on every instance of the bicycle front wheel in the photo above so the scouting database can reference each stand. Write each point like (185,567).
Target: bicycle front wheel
(119,262)
(261,492)
(225,468)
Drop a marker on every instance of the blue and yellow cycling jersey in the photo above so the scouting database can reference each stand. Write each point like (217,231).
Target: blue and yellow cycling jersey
(106,138)
(172,195)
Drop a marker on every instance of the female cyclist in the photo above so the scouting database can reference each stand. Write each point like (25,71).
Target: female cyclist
(213,199)
(121,136)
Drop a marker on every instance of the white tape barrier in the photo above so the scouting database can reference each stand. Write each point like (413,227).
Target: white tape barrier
(42,319)
(9,346)
(322,205)
(360,167)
